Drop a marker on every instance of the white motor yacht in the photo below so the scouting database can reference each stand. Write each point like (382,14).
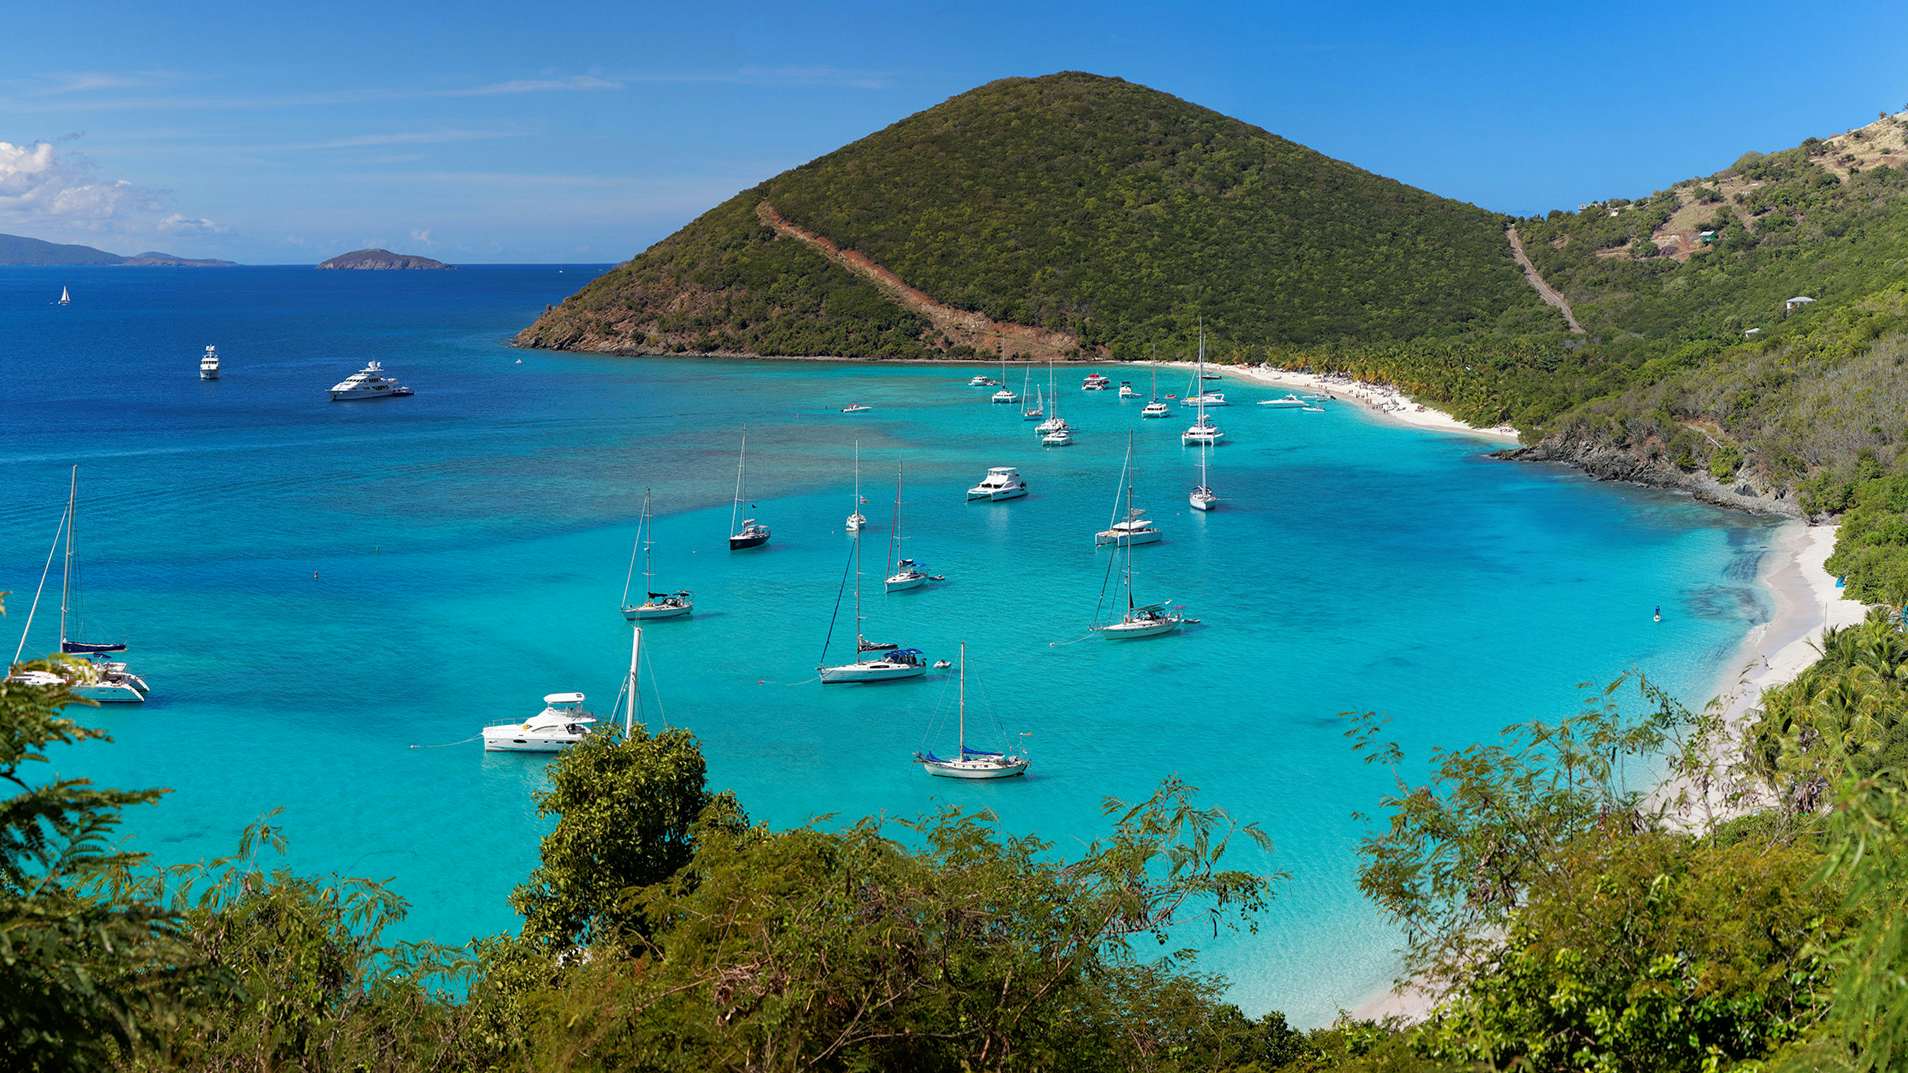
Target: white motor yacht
(561,724)
(983,381)
(1001,482)
(1205,398)
(967,762)
(209,364)
(370,382)
(856,408)
(1287,402)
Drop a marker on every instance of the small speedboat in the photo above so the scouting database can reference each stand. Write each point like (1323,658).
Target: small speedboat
(209,364)
(1126,390)
(369,382)
(1001,482)
(855,408)
(1288,402)
(1156,408)
(1310,409)
(983,381)
(561,724)
(1205,398)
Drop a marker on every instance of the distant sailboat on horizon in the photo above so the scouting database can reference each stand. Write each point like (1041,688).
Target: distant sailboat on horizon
(66,299)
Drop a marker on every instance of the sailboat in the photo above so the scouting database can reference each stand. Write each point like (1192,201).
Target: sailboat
(655,604)
(1202,497)
(1134,528)
(856,519)
(66,299)
(903,574)
(1139,620)
(1054,422)
(875,661)
(751,533)
(1202,431)
(1006,394)
(970,763)
(92,677)
(1154,407)
(1039,408)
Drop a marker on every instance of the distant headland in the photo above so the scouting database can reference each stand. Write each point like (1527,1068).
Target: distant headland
(381,260)
(20,250)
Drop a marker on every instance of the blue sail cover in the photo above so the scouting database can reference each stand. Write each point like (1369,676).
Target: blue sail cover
(81,648)
(967,752)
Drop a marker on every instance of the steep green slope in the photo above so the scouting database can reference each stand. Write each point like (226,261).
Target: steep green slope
(1072,202)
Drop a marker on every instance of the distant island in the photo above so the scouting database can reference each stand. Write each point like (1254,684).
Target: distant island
(20,250)
(381,260)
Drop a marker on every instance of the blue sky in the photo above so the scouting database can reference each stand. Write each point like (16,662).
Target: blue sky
(583,131)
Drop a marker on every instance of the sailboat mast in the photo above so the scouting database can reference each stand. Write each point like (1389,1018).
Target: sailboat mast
(894,529)
(857,595)
(66,577)
(735,510)
(649,547)
(1128,542)
(629,713)
(962,732)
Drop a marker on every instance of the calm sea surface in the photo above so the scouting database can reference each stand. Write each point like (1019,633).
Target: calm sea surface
(313,588)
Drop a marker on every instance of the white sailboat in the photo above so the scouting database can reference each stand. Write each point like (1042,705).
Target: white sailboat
(750,533)
(66,299)
(903,574)
(1134,527)
(1006,394)
(875,661)
(1202,431)
(1154,407)
(856,519)
(1202,497)
(91,676)
(1054,422)
(209,363)
(1039,408)
(1139,620)
(655,605)
(971,763)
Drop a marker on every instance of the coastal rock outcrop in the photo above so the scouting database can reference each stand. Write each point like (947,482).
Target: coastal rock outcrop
(381,260)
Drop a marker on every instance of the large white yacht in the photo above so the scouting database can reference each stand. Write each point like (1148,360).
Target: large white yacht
(369,382)
(561,724)
(209,364)
(1001,482)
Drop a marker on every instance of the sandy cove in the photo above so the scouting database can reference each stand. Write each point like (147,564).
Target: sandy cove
(1383,401)
(1806,603)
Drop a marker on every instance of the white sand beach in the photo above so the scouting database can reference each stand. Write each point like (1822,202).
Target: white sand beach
(1806,603)
(1386,402)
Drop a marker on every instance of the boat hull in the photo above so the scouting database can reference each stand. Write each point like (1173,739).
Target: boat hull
(109,693)
(1202,502)
(871,671)
(744,543)
(996,497)
(1134,631)
(360,396)
(507,744)
(954,769)
(652,612)
(903,584)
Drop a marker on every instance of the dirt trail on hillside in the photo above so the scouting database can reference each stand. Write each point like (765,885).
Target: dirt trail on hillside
(1544,290)
(957,326)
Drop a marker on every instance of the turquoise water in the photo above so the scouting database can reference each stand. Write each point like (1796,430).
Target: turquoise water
(469,546)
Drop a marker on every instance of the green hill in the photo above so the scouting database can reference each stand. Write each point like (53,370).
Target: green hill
(1076,204)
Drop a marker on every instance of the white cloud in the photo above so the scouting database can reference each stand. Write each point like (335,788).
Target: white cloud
(419,137)
(52,193)
(422,234)
(574,83)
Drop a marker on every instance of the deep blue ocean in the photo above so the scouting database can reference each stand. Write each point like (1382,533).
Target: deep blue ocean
(313,588)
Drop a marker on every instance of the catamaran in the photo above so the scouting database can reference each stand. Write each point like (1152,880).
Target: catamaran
(92,676)
(1060,437)
(875,661)
(655,605)
(970,763)
(1139,620)
(369,382)
(1134,528)
(209,364)
(1001,482)
(856,519)
(751,533)
(1202,431)
(1094,382)
(903,574)
(1154,407)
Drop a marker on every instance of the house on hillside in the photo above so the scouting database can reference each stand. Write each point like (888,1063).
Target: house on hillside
(1796,303)
(1751,333)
